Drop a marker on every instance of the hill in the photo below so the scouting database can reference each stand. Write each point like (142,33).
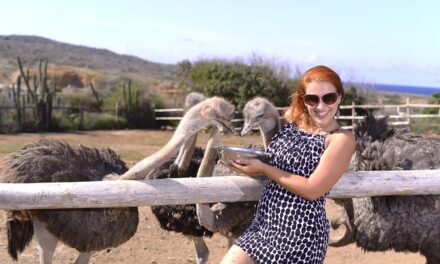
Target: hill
(76,58)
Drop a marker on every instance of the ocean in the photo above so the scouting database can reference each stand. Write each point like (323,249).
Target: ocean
(419,90)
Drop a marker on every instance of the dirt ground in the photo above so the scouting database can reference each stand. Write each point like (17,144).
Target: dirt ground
(151,244)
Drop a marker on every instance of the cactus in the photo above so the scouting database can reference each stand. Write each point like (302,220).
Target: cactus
(39,94)
(130,104)
(99,101)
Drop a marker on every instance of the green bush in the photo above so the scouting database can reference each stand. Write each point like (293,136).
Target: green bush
(62,122)
(434,99)
(80,100)
(97,121)
(428,125)
(235,81)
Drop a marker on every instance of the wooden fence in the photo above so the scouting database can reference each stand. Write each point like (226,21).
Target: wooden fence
(399,114)
(120,193)
(4,110)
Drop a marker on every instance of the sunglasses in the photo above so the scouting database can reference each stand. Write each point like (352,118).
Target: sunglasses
(313,99)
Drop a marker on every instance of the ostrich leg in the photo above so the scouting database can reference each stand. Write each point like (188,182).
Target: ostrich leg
(46,242)
(202,251)
(83,258)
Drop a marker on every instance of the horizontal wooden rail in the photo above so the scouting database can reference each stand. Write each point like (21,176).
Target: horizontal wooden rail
(201,190)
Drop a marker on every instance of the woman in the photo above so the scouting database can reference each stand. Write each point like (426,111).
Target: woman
(307,157)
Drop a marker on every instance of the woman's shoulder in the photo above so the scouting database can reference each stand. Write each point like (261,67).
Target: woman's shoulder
(343,133)
(342,136)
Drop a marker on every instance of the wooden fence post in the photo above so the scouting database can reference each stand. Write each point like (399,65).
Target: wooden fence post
(408,111)
(117,114)
(81,117)
(153,113)
(353,113)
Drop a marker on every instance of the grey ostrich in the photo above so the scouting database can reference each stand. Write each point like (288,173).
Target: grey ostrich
(260,112)
(93,229)
(402,223)
(183,218)
(232,219)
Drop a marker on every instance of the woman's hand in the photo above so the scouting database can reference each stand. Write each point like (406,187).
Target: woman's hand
(248,166)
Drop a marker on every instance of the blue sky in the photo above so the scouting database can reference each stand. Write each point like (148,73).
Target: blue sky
(392,42)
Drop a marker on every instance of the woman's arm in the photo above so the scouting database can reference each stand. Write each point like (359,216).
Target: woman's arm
(333,163)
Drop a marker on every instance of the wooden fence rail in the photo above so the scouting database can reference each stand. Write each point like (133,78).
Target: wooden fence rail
(120,193)
(402,114)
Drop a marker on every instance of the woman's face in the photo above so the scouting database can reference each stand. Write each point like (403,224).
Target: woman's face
(322,113)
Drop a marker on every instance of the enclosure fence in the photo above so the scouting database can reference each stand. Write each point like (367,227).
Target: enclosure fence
(127,193)
(398,114)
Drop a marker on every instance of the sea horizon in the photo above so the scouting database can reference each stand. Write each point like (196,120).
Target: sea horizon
(410,89)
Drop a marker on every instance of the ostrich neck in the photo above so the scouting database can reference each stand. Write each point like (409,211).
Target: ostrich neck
(185,154)
(204,213)
(208,162)
(269,128)
(141,169)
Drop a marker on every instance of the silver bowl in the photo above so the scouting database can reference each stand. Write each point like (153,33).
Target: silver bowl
(228,154)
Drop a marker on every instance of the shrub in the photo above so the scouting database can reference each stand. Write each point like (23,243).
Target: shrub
(97,121)
(61,122)
(235,81)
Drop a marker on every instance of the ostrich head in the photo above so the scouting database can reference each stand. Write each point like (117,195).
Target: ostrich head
(218,112)
(259,112)
(192,99)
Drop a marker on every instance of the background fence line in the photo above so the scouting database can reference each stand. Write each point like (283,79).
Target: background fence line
(402,113)
(398,114)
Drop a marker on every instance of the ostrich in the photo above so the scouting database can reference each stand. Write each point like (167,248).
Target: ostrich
(402,223)
(92,229)
(232,219)
(183,218)
(55,161)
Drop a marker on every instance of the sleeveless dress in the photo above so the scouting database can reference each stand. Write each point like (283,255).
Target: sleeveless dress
(288,228)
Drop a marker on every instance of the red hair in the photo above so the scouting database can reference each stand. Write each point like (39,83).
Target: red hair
(297,111)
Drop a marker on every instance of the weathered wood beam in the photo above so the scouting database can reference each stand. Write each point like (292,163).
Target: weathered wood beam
(201,190)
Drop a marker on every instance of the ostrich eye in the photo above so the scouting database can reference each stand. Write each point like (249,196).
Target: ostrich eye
(259,116)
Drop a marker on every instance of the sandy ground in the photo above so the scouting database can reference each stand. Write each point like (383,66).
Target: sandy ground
(151,244)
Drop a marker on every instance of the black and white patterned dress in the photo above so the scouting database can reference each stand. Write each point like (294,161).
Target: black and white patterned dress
(288,228)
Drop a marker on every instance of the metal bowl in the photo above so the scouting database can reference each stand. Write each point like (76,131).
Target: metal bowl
(228,154)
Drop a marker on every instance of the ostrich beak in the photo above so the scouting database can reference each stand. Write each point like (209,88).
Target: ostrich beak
(246,128)
(225,126)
